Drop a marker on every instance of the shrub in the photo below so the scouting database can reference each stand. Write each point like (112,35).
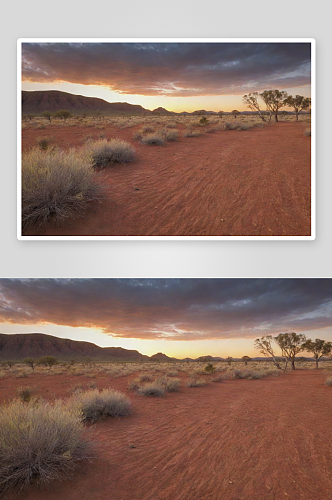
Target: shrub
(191,133)
(307,132)
(55,185)
(153,139)
(145,377)
(105,152)
(47,361)
(173,385)
(43,142)
(328,381)
(210,368)
(151,389)
(108,403)
(39,443)
(194,382)
(147,129)
(236,126)
(25,393)
(203,120)
(171,135)
(218,378)
(172,373)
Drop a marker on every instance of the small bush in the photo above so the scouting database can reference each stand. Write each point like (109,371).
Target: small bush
(104,153)
(155,138)
(328,381)
(212,130)
(236,126)
(218,378)
(43,142)
(193,382)
(151,389)
(210,368)
(39,443)
(25,393)
(191,133)
(172,373)
(307,132)
(145,377)
(173,385)
(203,120)
(171,135)
(147,129)
(55,185)
(108,403)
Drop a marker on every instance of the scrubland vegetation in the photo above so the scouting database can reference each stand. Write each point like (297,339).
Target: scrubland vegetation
(42,440)
(62,183)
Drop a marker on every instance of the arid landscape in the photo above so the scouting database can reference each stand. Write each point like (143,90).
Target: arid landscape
(206,139)
(165,389)
(254,182)
(233,439)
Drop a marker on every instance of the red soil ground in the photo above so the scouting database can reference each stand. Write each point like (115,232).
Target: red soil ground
(267,439)
(230,183)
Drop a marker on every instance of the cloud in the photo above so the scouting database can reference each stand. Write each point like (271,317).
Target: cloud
(175,309)
(176,69)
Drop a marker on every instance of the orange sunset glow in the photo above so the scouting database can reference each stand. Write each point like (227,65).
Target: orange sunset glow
(179,317)
(176,76)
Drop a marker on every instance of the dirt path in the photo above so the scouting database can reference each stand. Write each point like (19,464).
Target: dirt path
(250,183)
(267,439)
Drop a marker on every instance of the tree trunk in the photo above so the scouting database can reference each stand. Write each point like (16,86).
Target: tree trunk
(261,116)
(276,116)
(293,364)
(297,115)
(316,362)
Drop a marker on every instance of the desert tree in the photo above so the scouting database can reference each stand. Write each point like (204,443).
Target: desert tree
(48,115)
(63,114)
(298,103)
(30,362)
(291,344)
(251,100)
(229,360)
(318,348)
(220,113)
(235,112)
(47,361)
(264,344)
(274,100)
(246,359)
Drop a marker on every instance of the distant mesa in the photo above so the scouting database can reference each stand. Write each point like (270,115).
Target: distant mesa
(38,101)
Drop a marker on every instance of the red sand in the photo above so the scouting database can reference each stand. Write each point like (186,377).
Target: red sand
(267,439)
(230,183)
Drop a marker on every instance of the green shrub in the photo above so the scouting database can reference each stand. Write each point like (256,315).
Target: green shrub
(39,443)
(56,185)
(210,368)
(43,142)
(25,393)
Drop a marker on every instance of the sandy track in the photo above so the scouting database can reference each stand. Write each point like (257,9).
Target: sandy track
(251,183)
(267,439)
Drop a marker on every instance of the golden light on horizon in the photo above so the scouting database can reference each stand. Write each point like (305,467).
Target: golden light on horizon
(177,104)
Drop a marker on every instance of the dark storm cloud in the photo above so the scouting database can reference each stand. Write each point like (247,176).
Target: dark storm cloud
(177,69)
(178,309)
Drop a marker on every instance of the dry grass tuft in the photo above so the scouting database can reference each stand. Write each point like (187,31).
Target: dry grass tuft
(104,152)
(151,389)
(307,132)
(39,443)
(95,405)
(56,185)
(195,382)
(155,138)
(328,381)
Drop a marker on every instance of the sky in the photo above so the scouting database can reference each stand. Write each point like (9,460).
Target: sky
(179,317)
(176,76)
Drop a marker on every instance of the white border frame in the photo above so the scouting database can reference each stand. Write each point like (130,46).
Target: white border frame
(312,41)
